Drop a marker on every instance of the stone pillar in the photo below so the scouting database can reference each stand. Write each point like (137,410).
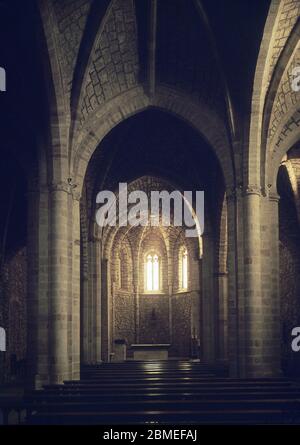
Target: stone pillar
(195,324)
(97,298)
(275,334)
(58,316)
(194,267)
(170,296)
(137,260)
(253,321)
(85,308)
(253,306)
(270,287)
(208,305)
(105,312)
(90,306)
(37,282)
(235,332)
(75,288)
(221,287)
(136,313)
(200,298)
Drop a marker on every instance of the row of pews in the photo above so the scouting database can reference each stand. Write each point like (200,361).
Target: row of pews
(166,392)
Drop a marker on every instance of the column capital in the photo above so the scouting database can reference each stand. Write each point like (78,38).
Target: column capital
(66,186)
(252,189)
(61,186)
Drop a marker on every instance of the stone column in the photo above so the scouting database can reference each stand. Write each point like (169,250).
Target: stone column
(90,306)
(137,260)
(270,287)
(75,287)
(105,312)
(58,298)
(170,297)
(194,286)
(97,297)
(235,332)
(200,303)
(208,306)
(37,282)
(221,286)
(85,306)
(253,321)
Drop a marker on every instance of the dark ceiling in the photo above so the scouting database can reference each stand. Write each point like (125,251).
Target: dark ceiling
(184,58)
(184,55)
(238,29)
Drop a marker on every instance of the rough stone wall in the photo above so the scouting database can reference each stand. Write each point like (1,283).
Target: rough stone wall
(13,315)
(181,325)
(163,317)
(124,317)
(154,319)
(4,323)
(123,304)
(289,284)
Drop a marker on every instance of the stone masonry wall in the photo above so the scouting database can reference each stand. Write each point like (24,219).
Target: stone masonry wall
(13,314)
(289,284)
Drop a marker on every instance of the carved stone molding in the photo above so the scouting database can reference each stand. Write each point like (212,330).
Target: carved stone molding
(76,195)
(66,186)
(274,197)
(253,189)
(62,186)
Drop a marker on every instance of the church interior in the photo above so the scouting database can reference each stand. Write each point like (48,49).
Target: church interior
(141,323)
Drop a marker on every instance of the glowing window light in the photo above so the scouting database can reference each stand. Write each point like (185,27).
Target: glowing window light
(149,272)
(184,260)
(155,275)
(152,273)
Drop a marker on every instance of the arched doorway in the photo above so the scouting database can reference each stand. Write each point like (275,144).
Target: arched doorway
(154,151)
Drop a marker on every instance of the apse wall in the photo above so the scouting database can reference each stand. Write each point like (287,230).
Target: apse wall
(169,316)
(162,319)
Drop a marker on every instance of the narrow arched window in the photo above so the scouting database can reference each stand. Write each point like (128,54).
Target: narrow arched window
(184,269)
(152,272)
